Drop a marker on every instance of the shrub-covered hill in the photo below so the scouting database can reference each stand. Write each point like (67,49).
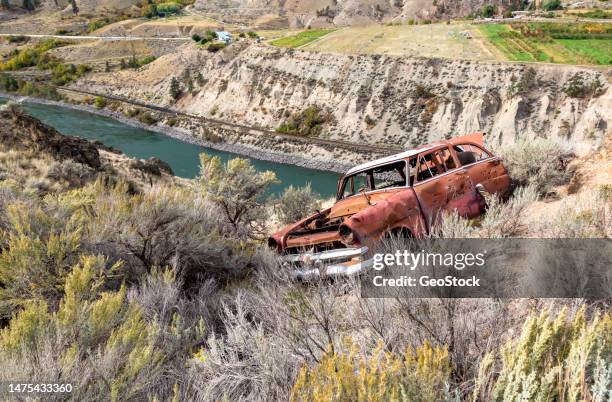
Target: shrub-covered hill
(131,285)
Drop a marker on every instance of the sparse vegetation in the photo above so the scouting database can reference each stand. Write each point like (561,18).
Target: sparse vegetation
(26,88)
(579,87)
(98,23)
(134,62)
(526,83)
(31,56)
(154,293)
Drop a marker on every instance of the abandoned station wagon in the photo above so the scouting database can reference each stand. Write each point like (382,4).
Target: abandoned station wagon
(403,194)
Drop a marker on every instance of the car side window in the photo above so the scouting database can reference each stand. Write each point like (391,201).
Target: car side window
(389,176)
(470,153)
(434,163)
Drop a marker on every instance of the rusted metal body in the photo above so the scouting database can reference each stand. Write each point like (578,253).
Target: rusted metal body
(407,193)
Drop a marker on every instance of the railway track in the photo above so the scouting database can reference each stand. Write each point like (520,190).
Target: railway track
(381,149)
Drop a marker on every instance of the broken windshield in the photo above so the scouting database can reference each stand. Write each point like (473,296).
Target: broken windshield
(376,178)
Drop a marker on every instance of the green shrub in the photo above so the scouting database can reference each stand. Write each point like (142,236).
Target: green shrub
(539,162)
(423,92)
(9,83)
(307,123)
(252,35)
(296,203)
(552,5)
(146,60)
(147,118)
(238,189)
(216,46)
(66,73)
(45,91)
(175,88)
(168,8)
(196,37)
(488,11)
(93,325)
(149,10)
(17,39)
(99,102)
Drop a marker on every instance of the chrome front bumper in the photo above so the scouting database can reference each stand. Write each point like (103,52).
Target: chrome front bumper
(340,262)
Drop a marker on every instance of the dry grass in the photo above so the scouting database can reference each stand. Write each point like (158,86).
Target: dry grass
(434,40)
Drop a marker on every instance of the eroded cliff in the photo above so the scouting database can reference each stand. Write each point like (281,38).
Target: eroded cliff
(376,99)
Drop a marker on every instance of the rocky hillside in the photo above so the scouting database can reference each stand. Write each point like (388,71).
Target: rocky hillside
(376,99)
(318,13)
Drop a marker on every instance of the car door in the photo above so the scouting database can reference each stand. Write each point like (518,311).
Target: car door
(442,186)
(483,168)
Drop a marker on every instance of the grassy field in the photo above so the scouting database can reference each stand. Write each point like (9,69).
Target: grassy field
(302,38)
(594,49)
(458,40)
(571,44)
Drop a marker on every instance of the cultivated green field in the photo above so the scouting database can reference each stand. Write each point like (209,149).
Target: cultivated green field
(553,43)
(301,38)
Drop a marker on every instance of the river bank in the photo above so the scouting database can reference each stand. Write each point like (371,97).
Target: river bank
(187,136)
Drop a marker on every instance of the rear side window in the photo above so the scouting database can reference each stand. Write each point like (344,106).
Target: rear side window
(469,153)
(435,163)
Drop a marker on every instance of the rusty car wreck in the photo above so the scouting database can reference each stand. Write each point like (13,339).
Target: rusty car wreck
(404,194)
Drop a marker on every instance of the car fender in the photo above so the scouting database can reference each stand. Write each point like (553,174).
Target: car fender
(401,210)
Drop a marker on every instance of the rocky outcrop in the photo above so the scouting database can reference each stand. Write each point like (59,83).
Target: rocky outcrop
(376,99)
(79,160)
(21,131)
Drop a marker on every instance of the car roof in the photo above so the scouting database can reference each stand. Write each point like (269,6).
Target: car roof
(396,157)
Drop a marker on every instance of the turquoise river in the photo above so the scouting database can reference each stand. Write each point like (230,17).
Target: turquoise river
(182,157)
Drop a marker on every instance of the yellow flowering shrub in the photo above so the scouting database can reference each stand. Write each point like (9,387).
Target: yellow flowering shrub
(420,375)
